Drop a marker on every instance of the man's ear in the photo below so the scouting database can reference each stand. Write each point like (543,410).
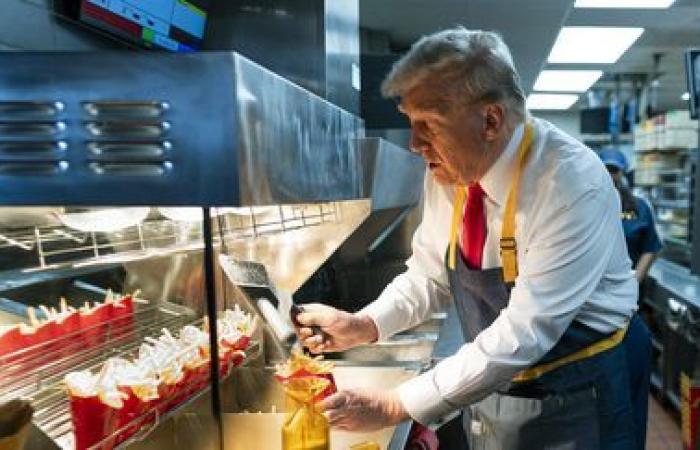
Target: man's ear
(494,120)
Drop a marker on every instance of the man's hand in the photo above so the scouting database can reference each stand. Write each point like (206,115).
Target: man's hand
(364,410)
(342,330)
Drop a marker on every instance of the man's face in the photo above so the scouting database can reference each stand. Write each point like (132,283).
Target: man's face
(450,140)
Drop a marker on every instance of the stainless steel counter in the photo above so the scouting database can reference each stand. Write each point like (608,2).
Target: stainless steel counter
(677,280)
(254,405)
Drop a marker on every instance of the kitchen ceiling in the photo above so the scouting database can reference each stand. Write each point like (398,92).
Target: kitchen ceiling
(531,27)
(528,27)
(667,32)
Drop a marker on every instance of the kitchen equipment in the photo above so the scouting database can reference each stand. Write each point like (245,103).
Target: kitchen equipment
(252,277)
(157,130)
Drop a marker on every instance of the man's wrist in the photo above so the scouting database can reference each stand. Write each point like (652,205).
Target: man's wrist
(371,332)
(398,412)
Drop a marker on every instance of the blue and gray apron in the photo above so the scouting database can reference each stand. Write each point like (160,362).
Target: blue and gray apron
(589,392)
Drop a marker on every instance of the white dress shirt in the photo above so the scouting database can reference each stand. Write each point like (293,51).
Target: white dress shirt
(572,260)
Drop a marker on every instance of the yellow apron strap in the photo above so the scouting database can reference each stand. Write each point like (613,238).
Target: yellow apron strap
(457,207)
(592,350)
(509,249)
(509,255)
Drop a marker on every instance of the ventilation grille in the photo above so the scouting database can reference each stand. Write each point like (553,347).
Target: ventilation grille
(32,138)
(128,137)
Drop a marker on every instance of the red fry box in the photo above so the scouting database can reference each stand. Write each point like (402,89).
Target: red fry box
(200,378)
(48,331)
(302,373)
(239,344)
(92,325)
(69,333)
(242,343)
(181,390)
(167,394)
(238,357)
(70,324)
(46,335)
(225,362)
(11,341)
(123,307)
(93,421)
(44,343)
(132,415)
(330,390)
(121,314)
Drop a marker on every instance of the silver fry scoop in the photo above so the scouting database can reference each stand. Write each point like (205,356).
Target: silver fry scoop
(252,277)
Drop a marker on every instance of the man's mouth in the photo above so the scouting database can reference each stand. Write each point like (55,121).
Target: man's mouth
(433,165)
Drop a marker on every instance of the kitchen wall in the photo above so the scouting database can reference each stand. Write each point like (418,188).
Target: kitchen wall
(568,121)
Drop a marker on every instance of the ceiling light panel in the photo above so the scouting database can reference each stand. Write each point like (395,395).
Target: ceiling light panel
(592,45)
(566,80)
(551,101)
(632,4)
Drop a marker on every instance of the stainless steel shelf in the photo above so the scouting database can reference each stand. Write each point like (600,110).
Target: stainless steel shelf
(37,373)
(671,204)
(665,150)
(677,241)
(60,246)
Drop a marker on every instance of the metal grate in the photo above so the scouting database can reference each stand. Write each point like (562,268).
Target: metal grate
(37,373)
(32,138)
(34,369)
(61,246)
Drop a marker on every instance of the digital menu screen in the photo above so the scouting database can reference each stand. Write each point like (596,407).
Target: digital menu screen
(175,25)
(692,66)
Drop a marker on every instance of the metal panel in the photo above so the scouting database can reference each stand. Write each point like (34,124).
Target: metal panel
(342,40)
(196,125)
(286,36)
(324,38)
(294,146)
(394,176)
(165,129)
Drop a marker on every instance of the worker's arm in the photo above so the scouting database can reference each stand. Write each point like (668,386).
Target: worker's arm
(423,288)
(643,265)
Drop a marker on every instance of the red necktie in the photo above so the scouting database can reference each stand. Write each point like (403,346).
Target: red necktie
(474,227)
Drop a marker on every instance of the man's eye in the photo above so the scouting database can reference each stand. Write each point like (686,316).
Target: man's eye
(430,128)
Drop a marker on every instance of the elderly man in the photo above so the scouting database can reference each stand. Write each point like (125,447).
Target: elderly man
(521,228)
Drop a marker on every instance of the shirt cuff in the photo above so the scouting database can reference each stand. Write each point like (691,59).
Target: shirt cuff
(422,399)
(384,315)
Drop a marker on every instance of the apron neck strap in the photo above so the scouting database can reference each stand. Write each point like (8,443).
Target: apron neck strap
(508,245)
(509,248)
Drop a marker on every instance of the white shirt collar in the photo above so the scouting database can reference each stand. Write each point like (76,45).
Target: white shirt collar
(497,180)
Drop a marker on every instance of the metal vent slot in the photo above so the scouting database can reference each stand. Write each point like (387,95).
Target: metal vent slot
(111,108)
(31,108)
(128,129)
(129,151)
(34,129)
(28,168)
(131,169)
(16,150)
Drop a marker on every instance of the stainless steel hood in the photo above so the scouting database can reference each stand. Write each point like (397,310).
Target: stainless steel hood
(160,129)
(393,176)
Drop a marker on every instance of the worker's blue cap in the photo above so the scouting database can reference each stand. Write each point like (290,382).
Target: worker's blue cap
(614,157)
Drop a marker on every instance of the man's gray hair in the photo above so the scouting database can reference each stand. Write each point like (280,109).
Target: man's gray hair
(463,66)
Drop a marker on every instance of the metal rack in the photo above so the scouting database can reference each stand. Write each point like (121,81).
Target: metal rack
(663,177)
(36,373)
(55,246)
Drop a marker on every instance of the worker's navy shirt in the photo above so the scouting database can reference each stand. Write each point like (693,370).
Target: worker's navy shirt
(640,232)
